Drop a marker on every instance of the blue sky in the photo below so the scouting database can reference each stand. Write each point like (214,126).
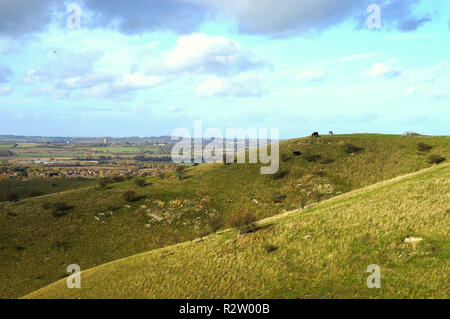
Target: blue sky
(296,65)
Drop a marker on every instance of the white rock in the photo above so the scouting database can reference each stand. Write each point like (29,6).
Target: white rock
(413,239)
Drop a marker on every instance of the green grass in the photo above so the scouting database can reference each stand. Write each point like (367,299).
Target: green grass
(35,246)
(322,252)
(38,186)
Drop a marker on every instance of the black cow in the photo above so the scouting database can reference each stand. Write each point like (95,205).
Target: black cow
(315,134)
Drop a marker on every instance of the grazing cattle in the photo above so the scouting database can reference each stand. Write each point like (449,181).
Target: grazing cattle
(315,134)
(330,132)
(297,153)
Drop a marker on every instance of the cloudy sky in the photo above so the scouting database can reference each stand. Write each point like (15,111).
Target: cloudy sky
(156,65)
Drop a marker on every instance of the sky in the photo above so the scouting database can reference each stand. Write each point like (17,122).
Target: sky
(145,68)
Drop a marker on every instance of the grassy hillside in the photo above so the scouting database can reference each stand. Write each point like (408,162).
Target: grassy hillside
(322,252)
(98,226)
(37,186)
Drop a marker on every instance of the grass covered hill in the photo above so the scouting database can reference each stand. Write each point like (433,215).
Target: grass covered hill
(321,252)
(90,226)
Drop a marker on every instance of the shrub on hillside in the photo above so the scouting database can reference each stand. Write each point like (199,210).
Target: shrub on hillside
(269,248)
(129,195)
(285,157)
(103,182)
(278,197)
(422,147)
(179,170)
(216,223)
(318,197)
(60,209)
(313,158)
(435,159)
(350,148)
(327,161)
(46,205)
(12,197)
(244,221)
(161,174)
(280,173)
(302,203)
(118,179)
(34,193)
(139,181)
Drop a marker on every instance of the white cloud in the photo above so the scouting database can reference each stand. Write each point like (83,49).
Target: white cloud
(357,57)
(5,90)
(34,75)
(53,92)
(428,74)
(124,84)
(137,81)
(437,94)
(244,85)
(384,69)
(312,75)
(409,91)
(174,109)
(202,53)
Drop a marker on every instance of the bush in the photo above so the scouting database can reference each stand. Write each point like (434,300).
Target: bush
(422,147)
(103,182)
(139,181)
(285,157)
(129,195)
(61,206)
(278,197)
(216,223)
(302,202)
(350,148)
(161,174)
(46,205)
(280,173)
(12,197)
(34,193)
(269,248)
(243,221)
(60,209)
(313,158)
(179,170)
(327,161)
(435,159)
(118,179)
(318,197)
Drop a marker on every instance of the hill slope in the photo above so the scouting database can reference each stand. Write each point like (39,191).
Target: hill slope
(36,246)
(320,253)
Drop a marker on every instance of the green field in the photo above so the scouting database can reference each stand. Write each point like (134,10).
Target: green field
(36,246)
(322,252)
(127,149)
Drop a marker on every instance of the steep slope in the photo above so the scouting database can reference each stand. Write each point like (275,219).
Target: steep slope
(322,252)
(36,246)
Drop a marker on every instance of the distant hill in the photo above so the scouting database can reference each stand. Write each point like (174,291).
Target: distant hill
(96,225)
(401,225)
